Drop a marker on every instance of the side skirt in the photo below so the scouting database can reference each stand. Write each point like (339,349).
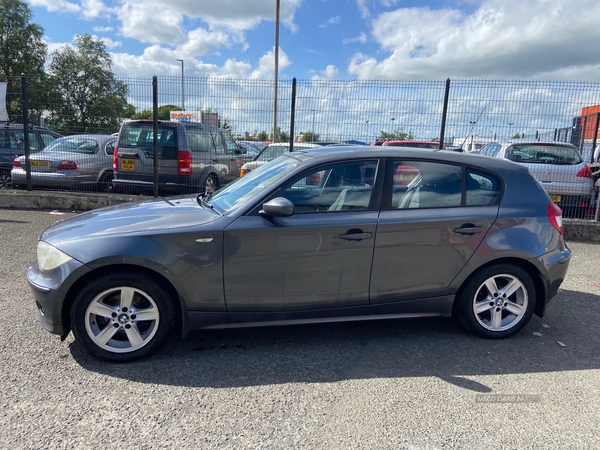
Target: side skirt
(431,307)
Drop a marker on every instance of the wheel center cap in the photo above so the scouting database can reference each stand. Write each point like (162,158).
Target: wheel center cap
(123,319)
(499,302)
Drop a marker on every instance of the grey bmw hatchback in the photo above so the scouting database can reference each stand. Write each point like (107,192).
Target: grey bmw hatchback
(327,234)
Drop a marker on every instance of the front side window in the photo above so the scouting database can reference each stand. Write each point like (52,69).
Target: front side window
(338,187)
(219,144)
(230,145)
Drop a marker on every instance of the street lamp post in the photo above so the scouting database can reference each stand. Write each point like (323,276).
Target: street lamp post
(510,124)
(367,130)
(313,126)
(182,82)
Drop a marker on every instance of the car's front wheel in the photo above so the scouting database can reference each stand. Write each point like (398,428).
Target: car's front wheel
(210,184)
(497,302)
(122,316)
(5,180)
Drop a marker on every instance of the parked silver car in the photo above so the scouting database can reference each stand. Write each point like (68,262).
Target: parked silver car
(271,152)
(557,165)
(69,162)
(318,235)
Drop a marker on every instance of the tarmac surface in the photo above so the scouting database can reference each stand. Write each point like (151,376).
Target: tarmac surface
(412,384)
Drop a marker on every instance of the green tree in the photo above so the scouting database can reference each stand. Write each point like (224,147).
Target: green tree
(22,51)
(262,136)
(397,135)
(164,112)
(309,136)
(517,136)
(86,95)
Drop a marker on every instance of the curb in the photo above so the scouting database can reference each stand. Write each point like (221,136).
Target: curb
(574,229)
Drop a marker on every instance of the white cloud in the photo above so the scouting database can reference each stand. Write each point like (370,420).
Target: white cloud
(56,5)
(103,29)
(361,38)
(109,43)
(330,72)
(502,38)
(200,42)
(363,8)
(333,21)
(151,23)
(92,9)
(266,64)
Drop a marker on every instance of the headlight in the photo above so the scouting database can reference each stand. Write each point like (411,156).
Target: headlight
(50,257)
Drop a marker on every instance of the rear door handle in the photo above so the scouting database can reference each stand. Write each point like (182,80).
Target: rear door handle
(468,229)
(355,237)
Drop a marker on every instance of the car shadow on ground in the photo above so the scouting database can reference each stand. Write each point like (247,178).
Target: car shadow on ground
(565,339)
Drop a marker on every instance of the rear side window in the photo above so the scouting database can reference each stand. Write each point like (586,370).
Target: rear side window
(482,188)
(544,154)
(47,138)
(424,184)
(199,141)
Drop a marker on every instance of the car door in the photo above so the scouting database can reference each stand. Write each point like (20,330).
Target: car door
(430,228)
(320,257)
(224,159)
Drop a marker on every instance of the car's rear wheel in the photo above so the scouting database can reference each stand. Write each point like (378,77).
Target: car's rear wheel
(105,182)
(210,184)
(497,302)
(122,316)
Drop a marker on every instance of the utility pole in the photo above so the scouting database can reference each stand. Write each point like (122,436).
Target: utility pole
(276,71)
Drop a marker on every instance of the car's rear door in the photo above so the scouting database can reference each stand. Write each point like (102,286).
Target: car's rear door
(429,229)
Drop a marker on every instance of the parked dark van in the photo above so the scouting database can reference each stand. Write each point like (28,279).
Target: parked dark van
(192,157)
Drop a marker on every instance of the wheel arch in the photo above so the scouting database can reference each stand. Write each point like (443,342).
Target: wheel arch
(541,289)
(181,317)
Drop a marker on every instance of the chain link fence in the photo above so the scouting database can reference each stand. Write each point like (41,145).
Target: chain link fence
(327,111)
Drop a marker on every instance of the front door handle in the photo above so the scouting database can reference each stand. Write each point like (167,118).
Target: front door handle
(468,229)
(355,237)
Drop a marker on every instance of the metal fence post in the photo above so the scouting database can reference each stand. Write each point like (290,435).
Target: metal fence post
(155,132)
(293,114)
(444,114)
(26,131)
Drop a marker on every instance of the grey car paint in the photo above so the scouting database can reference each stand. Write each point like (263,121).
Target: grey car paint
(243,269)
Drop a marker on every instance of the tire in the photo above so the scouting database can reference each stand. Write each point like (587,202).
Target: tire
(210,184)
(105,182)
(5,180)
(487,309)
(105,317)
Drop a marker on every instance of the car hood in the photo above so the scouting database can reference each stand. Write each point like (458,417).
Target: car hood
(151,216)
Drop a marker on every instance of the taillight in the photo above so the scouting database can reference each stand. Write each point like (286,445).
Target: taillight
(184,166)
(586,172)
(16,164)
(555,217)
(67,165)
(243,172)
(116,160)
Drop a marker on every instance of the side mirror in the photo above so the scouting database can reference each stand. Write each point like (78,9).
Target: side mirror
(277,207)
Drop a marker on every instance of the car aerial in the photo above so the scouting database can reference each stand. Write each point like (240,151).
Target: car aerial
(192,157)
(12,145)
(70,162)
(435,145)
(271,152)
(313,236)
(557,165)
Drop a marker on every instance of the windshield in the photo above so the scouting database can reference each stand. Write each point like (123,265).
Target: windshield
(237,193)
(73,145)
(273,152)
(544,154)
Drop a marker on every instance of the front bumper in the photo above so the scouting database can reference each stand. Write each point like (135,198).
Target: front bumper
(50,290)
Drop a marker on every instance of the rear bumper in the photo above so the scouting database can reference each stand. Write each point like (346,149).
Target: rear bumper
(556,264)
(52,179)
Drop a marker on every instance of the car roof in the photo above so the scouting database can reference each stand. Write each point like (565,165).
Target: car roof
(333,154)
(174,123)
(520,141)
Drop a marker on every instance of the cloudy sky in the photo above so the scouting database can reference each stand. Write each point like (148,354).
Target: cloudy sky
(343,39)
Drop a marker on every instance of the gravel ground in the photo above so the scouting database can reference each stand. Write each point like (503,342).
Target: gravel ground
(415,384)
